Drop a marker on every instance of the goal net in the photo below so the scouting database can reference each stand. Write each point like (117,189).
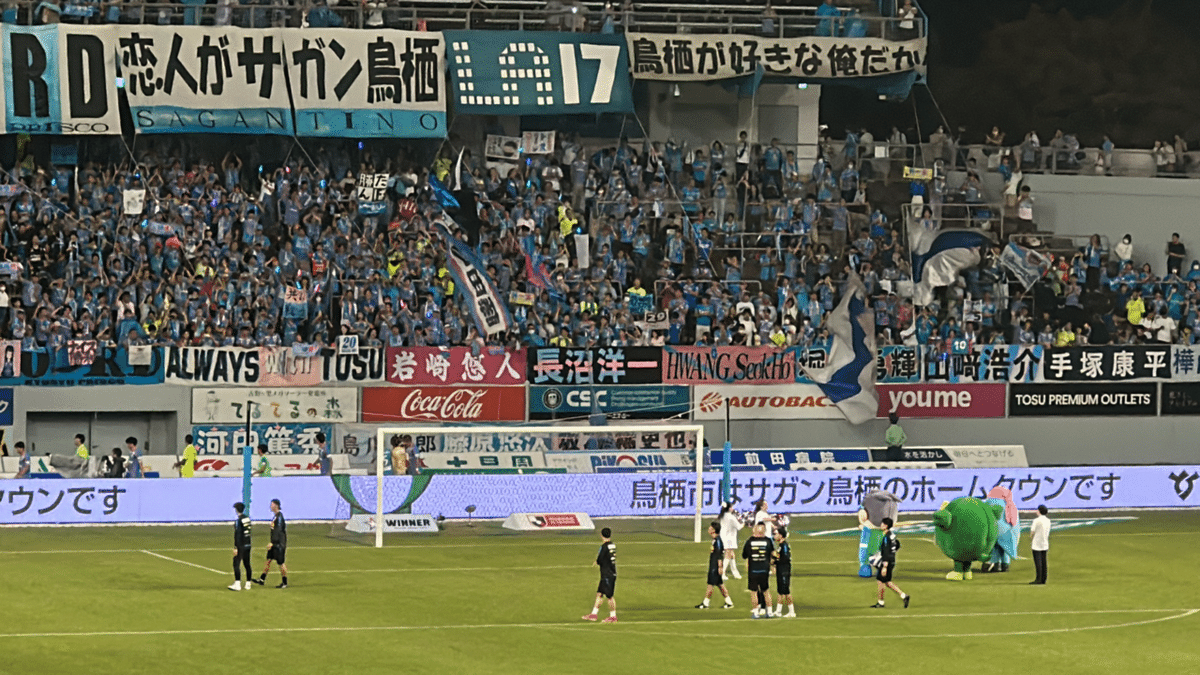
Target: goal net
(408,459)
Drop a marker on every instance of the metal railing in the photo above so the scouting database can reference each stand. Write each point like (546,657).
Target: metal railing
(512,15)
(988,215)
(1140,162)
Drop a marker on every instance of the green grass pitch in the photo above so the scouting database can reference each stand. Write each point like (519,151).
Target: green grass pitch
(1122,598)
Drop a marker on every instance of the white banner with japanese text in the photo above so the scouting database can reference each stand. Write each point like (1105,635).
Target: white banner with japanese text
(229,405)
(663,56)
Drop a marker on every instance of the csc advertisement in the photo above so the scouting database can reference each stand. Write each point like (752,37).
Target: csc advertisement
(183,500)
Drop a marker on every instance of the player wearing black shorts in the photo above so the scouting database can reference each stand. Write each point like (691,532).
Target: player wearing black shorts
(757,551)
(241,548)
(716,568)
(277,549)
(606,559)
(885,559)
(783,574)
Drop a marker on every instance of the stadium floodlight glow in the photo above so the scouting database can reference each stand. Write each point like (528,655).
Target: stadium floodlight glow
(382,447)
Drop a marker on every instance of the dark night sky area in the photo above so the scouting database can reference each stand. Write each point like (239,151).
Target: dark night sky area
(1129,68)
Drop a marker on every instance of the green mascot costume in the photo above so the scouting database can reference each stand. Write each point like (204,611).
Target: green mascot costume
(966,531)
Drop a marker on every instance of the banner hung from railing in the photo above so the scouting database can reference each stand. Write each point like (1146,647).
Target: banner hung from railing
(526,73)
(220,79)
(680,57)
(59,80)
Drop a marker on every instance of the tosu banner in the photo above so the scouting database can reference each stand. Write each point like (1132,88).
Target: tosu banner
(59,79)
(1096,400)
(941,400)
(455,365)
(435,404)
(256,367)
(601,495)
(672,56)
(537,73)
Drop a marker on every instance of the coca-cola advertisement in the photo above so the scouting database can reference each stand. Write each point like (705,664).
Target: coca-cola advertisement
(443,404)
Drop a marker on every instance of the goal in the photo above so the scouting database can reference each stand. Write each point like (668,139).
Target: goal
(389,492)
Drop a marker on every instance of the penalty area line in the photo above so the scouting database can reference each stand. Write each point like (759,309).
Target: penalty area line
(182,562)
(1180,613)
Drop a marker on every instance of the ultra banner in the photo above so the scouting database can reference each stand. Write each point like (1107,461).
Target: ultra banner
(271,367)
(598,495)
(537,73)
(221,79)
(59,79)
(670,56)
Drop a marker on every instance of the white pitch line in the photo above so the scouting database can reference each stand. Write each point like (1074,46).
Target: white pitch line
(182,562)
(356,629)
(1044,631)
(568,567)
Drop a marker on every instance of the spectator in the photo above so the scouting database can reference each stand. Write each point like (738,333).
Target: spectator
(1176,252)
(114,465)
(828,25)
(23,465)
(133,465)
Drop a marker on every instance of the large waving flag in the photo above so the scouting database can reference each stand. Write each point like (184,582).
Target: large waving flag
(938,259)
(1026,264)
(535,268)
(470,276)
(848,376)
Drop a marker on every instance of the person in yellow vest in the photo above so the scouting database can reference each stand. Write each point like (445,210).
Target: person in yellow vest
(566,219)
(444,274)
(636,288)
(589,305)
(187,463)
(1135,309)
(563,339)
(81,449)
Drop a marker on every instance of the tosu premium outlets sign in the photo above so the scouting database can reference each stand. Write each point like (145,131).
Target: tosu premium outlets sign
(941,400)
(443,404)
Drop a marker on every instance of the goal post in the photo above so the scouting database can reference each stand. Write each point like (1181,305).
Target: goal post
(693,432)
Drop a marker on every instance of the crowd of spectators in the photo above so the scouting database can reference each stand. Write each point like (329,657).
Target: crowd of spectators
(739,244)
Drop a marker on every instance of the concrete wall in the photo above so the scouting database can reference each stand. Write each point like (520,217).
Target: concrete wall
(1048,441)
(1148,208)
(706,112)
(166,411)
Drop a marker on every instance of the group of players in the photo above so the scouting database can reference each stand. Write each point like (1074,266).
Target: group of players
(766,549)
(276,548)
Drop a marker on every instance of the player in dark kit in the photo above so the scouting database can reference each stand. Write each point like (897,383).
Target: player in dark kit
(607,561)
(716,568)
(886,563)
(241,548)
(757,551)
(277,549)
(783,574)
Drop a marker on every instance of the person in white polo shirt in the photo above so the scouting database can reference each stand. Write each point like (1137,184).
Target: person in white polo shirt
(1039,532)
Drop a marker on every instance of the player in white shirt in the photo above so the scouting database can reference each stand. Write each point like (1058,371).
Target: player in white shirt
(1039,533)
(766,519)
(730,524)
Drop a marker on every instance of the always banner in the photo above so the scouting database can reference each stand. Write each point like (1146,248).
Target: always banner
(669,56)
(221,79)
(270,367)
(366,83)
(59,79)
(536,73)
(229,405)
